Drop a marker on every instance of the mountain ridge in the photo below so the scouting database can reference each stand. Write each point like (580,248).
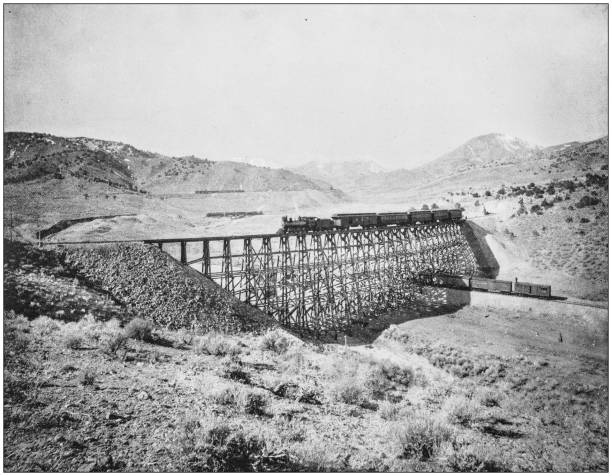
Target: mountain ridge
(488,158)
(31,156)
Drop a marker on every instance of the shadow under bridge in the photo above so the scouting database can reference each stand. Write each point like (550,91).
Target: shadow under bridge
(326,282)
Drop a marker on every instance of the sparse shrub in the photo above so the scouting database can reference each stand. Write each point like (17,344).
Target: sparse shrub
(376,382)
(224,396)
(536,209)
(547,204)
(347,390)
(421,437)
(587,201)
(569,219)
(93,329)
(18,387)
(501,191)
(584,220)
(535,233)
(88,377)
(489,398)
(461,410)
(403,375)
(215,447)
(309,395)
(139,329)
(73,342)
(492,372)
(253,403)
(114,343)
(388,410)
(476,460)
(45,325)
(476,203)
(234,371)
(217,344)
(487,193)
(274,341)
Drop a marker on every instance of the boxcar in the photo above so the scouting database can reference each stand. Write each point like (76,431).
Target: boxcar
(347,220)
(530,289)
(455,214)
(492,285)
(420,217)
(441,215)
(387,219)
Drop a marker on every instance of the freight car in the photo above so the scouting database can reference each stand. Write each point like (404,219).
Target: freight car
(344,221)
(530,289)
(491,285)
(485,284)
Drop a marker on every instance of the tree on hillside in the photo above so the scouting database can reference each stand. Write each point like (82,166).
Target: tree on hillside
(425,207)
(434,206)
(522,209)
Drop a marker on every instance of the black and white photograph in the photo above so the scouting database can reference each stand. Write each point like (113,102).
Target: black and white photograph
(305,238)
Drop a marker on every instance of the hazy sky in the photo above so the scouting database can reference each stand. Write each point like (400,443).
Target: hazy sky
(397,84)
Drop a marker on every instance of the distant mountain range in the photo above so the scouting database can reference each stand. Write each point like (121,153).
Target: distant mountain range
(486,160)
(43,157)
(342,175)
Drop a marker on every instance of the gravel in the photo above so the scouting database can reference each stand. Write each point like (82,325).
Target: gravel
(152,285)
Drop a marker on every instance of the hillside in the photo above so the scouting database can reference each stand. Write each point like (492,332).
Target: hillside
(343,175)
(89,387)
(33,156)
(41,157)
(491,160)
(49,178)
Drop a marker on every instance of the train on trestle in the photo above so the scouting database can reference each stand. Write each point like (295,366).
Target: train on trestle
(486,284)
(345,221)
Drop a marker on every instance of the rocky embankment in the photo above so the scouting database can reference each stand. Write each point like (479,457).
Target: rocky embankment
(134,279)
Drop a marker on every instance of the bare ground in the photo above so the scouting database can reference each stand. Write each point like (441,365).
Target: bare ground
(471,390)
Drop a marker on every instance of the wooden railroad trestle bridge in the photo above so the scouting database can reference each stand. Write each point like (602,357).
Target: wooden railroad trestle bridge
(326,281)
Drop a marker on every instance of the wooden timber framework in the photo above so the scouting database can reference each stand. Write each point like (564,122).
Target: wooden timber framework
(321,282)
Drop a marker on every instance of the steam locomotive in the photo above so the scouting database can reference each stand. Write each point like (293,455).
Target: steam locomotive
(345,221)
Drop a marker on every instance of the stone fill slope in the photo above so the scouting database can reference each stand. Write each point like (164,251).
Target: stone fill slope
(154,286)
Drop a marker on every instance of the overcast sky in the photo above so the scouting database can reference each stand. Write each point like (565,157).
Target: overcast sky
(283,84)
